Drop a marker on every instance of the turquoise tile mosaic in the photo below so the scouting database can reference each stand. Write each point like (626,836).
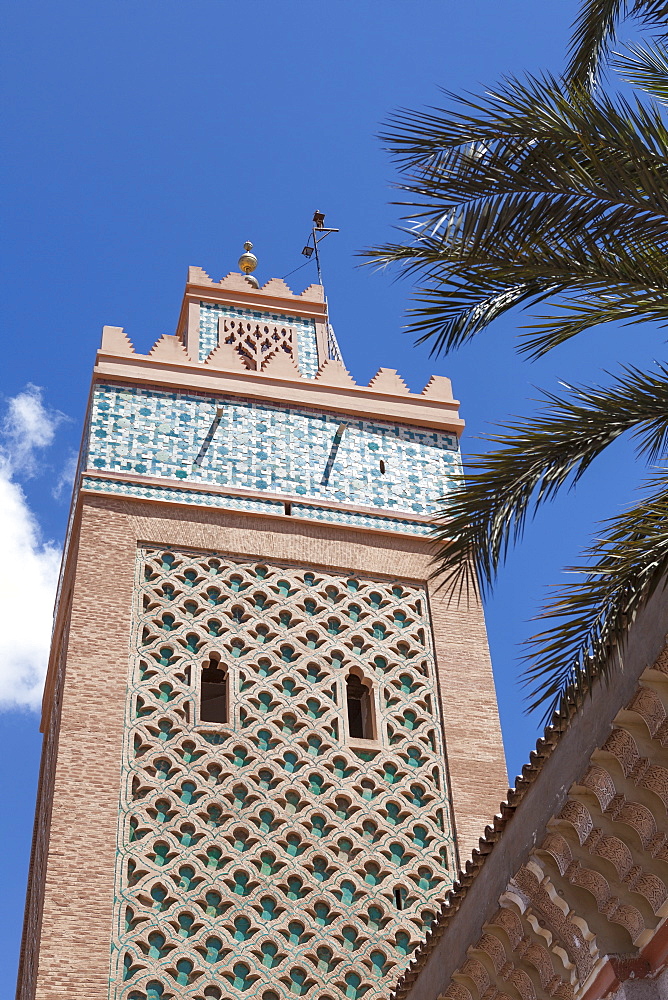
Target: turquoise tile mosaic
(333,349)
(338,516)
(200,498)
(307,350)
(267,448)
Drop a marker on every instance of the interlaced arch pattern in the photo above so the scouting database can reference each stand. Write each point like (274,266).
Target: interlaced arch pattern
(270,850)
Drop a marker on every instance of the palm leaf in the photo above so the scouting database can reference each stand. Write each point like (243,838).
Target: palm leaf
(533,461)
(596,28)
(592,616)
(526,193)
(646,67)
(539,191)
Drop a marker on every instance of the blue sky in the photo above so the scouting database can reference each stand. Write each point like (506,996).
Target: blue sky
(145,137)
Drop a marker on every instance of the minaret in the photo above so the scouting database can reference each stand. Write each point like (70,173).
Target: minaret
(268,736)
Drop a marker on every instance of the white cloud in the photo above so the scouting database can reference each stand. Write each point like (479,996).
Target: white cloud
(27,589)
(65,481)
(27,426)
(29,565)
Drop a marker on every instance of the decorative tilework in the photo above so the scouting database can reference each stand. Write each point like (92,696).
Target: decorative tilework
(150,491)
(333,349)
(208,327)
(263,447)
(253,505)
(307,350)
(337,516)
(270,855)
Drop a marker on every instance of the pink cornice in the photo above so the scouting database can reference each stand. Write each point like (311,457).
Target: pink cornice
(375,527)
(357,401)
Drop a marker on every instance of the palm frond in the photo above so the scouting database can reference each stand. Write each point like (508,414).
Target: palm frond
(464,325)
(645,67)
(526,193)
(535,459)
(596,29)
(592,616)
(594,32)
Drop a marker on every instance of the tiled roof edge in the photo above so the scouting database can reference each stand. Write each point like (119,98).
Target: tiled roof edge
(545,745)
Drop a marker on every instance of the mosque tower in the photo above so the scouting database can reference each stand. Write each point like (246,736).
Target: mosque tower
(268,737)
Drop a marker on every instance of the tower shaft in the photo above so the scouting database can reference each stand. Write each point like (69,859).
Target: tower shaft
(267,735)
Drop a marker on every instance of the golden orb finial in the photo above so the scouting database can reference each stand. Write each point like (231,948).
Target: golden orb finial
(248,260)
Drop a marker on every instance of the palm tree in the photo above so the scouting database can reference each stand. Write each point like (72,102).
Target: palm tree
(544,191)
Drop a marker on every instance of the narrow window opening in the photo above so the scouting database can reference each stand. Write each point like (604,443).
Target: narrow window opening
(382,467)
(213,699)
(360,717)
(287,508)
(399,898)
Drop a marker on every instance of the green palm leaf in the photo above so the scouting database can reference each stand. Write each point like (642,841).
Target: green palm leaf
(628,564)
(529,193)
(595,32)
(542,194)
(646,67)
(535,459)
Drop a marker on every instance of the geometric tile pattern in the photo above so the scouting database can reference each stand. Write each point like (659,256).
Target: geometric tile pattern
(253,505)
(337,516)
(263,447)
(272,856)
(211,312)
(333,349)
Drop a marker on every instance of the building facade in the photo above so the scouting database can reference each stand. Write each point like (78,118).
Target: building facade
(566,895)
(267,735)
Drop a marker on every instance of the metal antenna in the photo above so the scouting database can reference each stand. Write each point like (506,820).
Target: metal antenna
(318,233)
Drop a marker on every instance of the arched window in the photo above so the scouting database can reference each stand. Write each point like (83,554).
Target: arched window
(359,701)
(214,691)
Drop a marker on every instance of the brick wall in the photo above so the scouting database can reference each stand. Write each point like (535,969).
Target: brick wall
(77,885)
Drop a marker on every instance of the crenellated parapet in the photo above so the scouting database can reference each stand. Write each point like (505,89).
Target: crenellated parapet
(236,282)
(169,363)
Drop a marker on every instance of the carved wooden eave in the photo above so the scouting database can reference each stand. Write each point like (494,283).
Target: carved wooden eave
(567,895)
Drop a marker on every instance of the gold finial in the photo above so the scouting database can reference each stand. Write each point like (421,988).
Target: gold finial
(248,260)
